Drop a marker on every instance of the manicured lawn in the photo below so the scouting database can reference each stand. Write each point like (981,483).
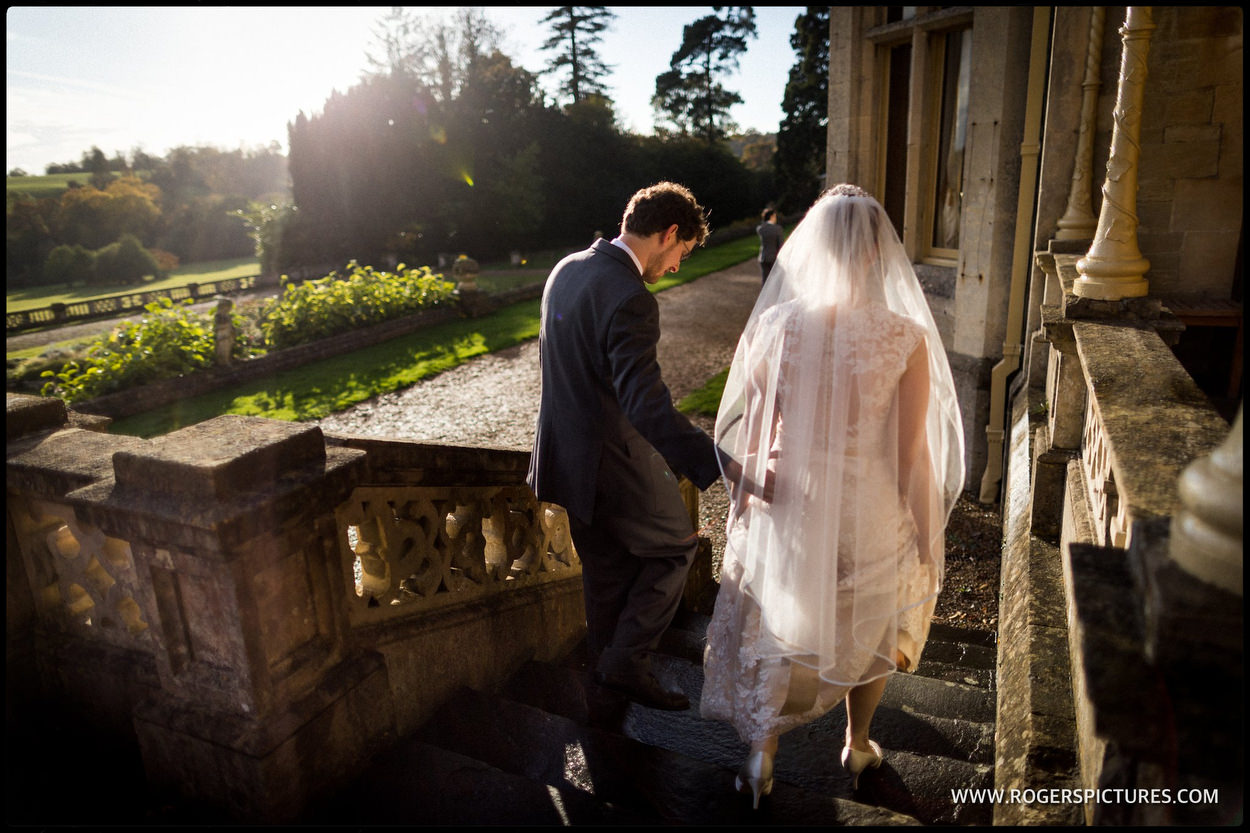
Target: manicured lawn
(706,400)
(325,387)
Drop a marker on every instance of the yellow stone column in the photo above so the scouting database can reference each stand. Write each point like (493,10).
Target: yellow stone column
(1114,267)
(1207,531)
(1078,221)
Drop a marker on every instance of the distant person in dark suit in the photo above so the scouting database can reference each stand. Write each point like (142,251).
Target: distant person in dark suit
(771,237)
(609,439)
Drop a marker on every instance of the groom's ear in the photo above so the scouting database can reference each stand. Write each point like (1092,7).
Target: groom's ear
(668,235)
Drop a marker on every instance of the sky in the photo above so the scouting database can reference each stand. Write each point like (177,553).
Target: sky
(159,77)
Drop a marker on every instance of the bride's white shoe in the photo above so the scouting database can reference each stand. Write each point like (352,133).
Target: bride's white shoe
(855,762)
(756,775)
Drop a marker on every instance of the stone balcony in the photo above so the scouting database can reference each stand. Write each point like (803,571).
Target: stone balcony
(234,595)
(1118,669)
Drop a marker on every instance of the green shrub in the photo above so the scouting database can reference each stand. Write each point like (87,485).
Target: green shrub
(169,341)
(125,261)
(331,305)
(69,265)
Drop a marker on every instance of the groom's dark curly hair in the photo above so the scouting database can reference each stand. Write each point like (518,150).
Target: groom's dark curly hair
(654,209)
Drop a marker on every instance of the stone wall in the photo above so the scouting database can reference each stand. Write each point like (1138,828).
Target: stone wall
(129,302)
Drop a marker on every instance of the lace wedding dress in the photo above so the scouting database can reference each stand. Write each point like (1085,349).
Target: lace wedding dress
(840,420)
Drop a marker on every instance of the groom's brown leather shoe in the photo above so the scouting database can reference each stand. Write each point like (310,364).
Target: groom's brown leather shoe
(645,690)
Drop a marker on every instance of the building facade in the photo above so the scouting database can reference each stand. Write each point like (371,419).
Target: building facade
(1068,182)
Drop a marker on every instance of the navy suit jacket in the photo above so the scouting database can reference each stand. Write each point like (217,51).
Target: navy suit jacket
(601,379)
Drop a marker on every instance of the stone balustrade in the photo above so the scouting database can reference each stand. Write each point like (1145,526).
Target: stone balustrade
(1123,422)
(259,607)
(129,302)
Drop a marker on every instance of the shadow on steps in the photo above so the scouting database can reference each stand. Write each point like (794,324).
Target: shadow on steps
(552,748)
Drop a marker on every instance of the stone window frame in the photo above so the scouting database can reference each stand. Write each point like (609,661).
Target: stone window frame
(926,31)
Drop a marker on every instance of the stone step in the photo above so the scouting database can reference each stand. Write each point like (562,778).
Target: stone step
(966,636)
(955,654)
(940,698)
(983,678)
(955,679)
(966,647)
(965,748)
(627,776)
(418,784)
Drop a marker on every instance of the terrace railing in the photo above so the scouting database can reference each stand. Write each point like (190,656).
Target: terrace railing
(129,302)
(259,607)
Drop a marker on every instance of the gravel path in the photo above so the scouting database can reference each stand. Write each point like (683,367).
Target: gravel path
(492,400)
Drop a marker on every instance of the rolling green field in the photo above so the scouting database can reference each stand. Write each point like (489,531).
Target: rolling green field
(48,185)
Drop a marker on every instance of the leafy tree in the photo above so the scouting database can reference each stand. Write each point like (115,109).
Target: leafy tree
(719,179)
(266,223)
(575,31)
(413,164)
(437,52)
(689,94)
(125,261)
(95,217)
(396,35)
(69,265)
(95,162)
(28,236)
(800,158)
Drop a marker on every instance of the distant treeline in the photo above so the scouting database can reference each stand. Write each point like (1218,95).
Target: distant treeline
(391,168)
(446,146)
(190,205)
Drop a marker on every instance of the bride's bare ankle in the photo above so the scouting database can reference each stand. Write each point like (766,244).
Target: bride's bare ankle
(858,744)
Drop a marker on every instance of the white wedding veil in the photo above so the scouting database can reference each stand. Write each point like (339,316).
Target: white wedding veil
(842,448)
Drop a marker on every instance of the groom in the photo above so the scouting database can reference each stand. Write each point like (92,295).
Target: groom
(609,439)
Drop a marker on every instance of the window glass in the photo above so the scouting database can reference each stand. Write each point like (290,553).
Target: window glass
(895,190)
(952,140)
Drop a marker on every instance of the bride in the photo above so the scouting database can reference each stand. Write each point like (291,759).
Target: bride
(842,449)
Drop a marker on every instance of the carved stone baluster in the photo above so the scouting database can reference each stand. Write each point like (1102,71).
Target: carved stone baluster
(1113,268)
(1206,539)
(1079,222)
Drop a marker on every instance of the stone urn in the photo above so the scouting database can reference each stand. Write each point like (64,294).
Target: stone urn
(464,271)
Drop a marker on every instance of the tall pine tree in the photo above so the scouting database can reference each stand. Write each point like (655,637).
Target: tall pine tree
(800,158)
(575,31)
(690,95)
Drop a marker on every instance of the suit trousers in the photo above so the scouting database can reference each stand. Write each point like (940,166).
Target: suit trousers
(635,554)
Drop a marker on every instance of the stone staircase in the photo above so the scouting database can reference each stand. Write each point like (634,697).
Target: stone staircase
(549,747)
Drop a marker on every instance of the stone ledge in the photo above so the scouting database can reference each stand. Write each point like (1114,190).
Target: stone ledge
(220,458)
(1035,732)
(1154,417)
